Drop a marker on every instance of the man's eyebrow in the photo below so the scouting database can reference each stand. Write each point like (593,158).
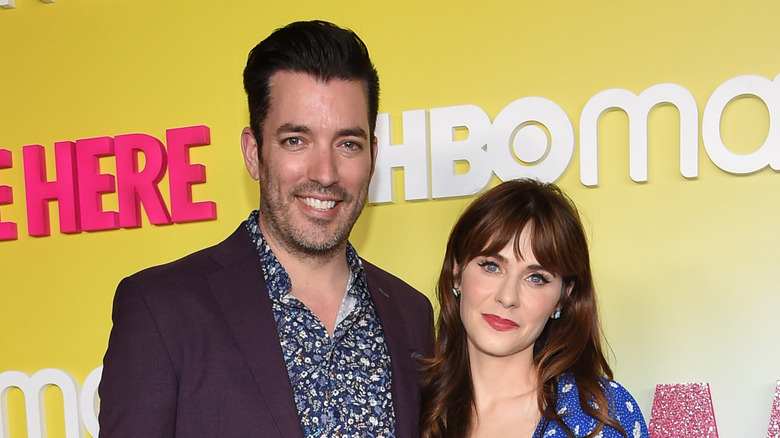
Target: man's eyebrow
(288,128)
(353,132)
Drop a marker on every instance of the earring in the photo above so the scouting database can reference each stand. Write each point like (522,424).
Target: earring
(557,314)
(455,292)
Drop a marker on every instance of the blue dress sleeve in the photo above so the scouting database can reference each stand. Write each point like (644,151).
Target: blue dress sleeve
(627,411)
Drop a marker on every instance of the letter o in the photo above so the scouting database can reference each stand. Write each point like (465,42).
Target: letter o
(515,115)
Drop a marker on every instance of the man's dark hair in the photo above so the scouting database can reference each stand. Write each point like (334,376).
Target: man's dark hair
(317,48)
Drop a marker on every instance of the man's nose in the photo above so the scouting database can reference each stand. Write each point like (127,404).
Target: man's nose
(323,168)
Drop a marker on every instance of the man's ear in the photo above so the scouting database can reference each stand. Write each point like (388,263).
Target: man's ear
(250,151)
(374,149)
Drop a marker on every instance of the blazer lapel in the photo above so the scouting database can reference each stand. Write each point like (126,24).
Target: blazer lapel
(404,386)
(241,293)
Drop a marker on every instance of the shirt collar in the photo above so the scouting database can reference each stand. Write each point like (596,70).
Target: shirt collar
(277,279)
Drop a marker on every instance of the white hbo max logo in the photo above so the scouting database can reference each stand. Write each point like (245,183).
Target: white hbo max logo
(80,404)
(530,137)
(534,137)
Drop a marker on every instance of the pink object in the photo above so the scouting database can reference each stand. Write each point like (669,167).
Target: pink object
(5,159)
(182,175)
(40,190)
(682,410)
(7,229)
(92,184)
(774,417)
(136,187)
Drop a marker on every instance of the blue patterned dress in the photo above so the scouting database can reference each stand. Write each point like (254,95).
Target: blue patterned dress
(626,412)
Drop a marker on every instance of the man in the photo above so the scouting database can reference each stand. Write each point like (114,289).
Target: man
(280,330)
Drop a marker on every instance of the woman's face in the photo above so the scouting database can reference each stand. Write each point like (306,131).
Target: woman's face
(506,302)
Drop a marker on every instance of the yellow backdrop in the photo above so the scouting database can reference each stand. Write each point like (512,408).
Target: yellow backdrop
(685,268)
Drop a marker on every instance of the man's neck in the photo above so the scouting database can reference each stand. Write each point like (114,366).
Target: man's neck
(318,280)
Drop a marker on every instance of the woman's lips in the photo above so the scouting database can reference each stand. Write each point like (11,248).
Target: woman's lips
(499,323)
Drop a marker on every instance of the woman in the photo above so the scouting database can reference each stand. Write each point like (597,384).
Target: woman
(519,351)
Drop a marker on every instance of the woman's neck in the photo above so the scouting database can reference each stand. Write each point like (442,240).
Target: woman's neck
(505,390)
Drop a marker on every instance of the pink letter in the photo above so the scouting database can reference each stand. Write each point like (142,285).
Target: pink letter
(682,409)
(136,187)
(92,184)
(182,175)
(40,191)
(774,418)
(7,229)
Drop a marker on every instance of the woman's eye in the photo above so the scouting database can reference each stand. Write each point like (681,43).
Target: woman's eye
(489,266)
(537,278)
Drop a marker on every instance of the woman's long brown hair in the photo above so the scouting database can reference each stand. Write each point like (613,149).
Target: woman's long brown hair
(571,343)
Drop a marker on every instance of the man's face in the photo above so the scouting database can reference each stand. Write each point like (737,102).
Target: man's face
(315,162)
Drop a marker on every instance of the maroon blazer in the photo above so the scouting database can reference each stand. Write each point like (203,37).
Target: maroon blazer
(194,350)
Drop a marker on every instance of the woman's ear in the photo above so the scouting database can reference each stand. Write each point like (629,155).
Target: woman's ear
(565,292)
(566,289)
(456,277)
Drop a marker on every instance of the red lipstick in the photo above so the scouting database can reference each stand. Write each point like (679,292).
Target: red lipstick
(499,323)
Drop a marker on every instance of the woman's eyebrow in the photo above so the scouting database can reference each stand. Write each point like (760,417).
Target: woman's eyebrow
(500,258)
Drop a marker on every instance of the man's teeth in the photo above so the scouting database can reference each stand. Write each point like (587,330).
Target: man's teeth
(319,205)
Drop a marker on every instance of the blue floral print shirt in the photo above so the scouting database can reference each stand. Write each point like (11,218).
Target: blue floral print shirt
(626,412)
(341,384)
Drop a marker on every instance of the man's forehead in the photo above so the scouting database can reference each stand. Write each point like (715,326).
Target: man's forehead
(288,75)
(296,93)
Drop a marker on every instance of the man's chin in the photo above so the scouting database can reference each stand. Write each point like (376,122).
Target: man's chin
(318,249)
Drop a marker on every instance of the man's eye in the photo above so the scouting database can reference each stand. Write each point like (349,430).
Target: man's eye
(293,141)
(351,145)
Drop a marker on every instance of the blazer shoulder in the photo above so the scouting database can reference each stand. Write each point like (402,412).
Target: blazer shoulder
(389,284)
(194,268)
(403,306)
(235,248)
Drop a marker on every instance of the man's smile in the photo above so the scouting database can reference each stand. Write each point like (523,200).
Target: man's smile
(317,204)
